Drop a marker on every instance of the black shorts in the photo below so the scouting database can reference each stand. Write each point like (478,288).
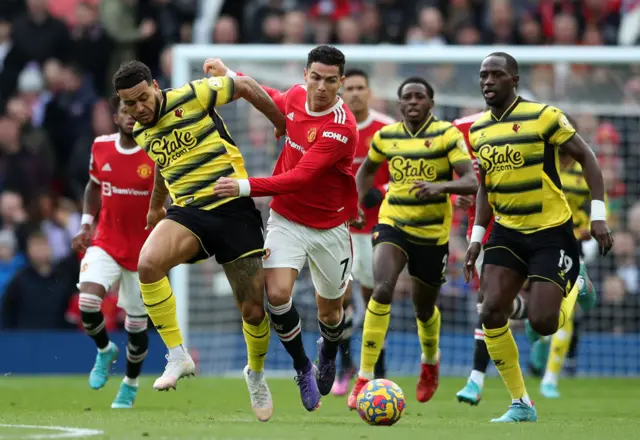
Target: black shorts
(549,255)
(427,262)
(228,232)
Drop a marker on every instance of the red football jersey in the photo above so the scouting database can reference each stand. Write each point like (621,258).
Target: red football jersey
(126,178)
(366,129)
(313,183)
(464,124)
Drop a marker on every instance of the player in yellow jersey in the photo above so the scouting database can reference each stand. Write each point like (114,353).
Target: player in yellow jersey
(517,143)
(414,224)
(186,138)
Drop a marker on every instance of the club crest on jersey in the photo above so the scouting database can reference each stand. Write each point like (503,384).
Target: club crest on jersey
(311,134)
(427,143)
(179,112)
(516,127)
(144,171)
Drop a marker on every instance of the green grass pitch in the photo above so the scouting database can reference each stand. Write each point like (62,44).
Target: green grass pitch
(218,408)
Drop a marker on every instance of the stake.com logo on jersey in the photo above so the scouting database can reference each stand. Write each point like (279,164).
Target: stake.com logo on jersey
(109,190)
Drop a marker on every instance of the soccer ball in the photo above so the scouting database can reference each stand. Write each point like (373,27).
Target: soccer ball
(381,402)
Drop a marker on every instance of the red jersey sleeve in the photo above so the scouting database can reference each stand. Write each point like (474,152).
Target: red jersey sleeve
(94,171)
(328,150)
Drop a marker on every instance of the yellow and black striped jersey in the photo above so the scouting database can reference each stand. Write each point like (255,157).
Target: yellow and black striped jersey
(519,154)
(427,156)
(578,196)
(190,142)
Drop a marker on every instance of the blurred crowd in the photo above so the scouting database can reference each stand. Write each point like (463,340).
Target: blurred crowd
(57,58)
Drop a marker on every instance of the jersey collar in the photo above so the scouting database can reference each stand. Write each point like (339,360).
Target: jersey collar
(421,129)
(364,124)
(509,109)
(335,106)
(126,151)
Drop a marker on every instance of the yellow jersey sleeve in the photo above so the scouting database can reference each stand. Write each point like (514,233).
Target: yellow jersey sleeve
(213,92)
(377,149)
(554,127)
(456,146)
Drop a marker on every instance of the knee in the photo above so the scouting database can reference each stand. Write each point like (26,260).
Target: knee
(492,315)
(252,313)
(150,268)
(383,292)
(544,323)
(278,295)
(330,314)
(425,314)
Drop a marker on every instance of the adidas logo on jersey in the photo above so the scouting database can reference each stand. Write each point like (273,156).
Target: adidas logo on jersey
(290,116)
(106,167)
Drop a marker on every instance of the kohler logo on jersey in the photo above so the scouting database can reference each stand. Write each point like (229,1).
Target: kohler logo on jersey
(109,190)
(339,137)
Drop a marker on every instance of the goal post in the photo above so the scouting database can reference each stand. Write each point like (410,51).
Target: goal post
(598,86)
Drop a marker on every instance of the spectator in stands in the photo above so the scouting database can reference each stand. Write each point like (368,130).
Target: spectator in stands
(467,34)
(37,297)
(431,25)
(348,31)
(226,31)
(626,261)
(38,36)
(618,311)
(11,260)
(91,46)
(118,18)
(272,29)
(501,28)
(294,28)
(529,30)
(629,32)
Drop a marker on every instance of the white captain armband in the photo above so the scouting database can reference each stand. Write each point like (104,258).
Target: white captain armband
(477,234)
(244,187)
(230,73)
(598,210)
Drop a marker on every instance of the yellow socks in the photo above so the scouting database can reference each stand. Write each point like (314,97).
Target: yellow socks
(560,343)
(161,306)
(429,335)
(567,306)
(257,340)
(504,352)
(376,323)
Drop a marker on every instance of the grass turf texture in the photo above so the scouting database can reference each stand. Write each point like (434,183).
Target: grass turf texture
(218,408)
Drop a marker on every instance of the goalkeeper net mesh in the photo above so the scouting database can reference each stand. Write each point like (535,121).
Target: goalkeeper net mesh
(605,103)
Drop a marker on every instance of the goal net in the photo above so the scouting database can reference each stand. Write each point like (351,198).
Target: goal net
(598,87)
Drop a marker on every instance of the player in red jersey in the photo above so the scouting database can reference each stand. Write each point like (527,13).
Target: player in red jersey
(120,184)
(471,393)
(314,200)
(356,94)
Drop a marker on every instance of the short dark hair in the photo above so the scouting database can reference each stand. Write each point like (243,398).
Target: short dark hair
(131,74)
(512,64)
(357,72)
(328,55)
(416,80)
(114,103)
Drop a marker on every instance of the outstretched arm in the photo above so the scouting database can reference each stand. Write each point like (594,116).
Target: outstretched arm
(323,155)
(248,89)
(216,68)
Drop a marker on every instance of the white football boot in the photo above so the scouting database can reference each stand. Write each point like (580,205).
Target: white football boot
(261,401)
(177,367)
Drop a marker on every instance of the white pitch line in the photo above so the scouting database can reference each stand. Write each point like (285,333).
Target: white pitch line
(63,432)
